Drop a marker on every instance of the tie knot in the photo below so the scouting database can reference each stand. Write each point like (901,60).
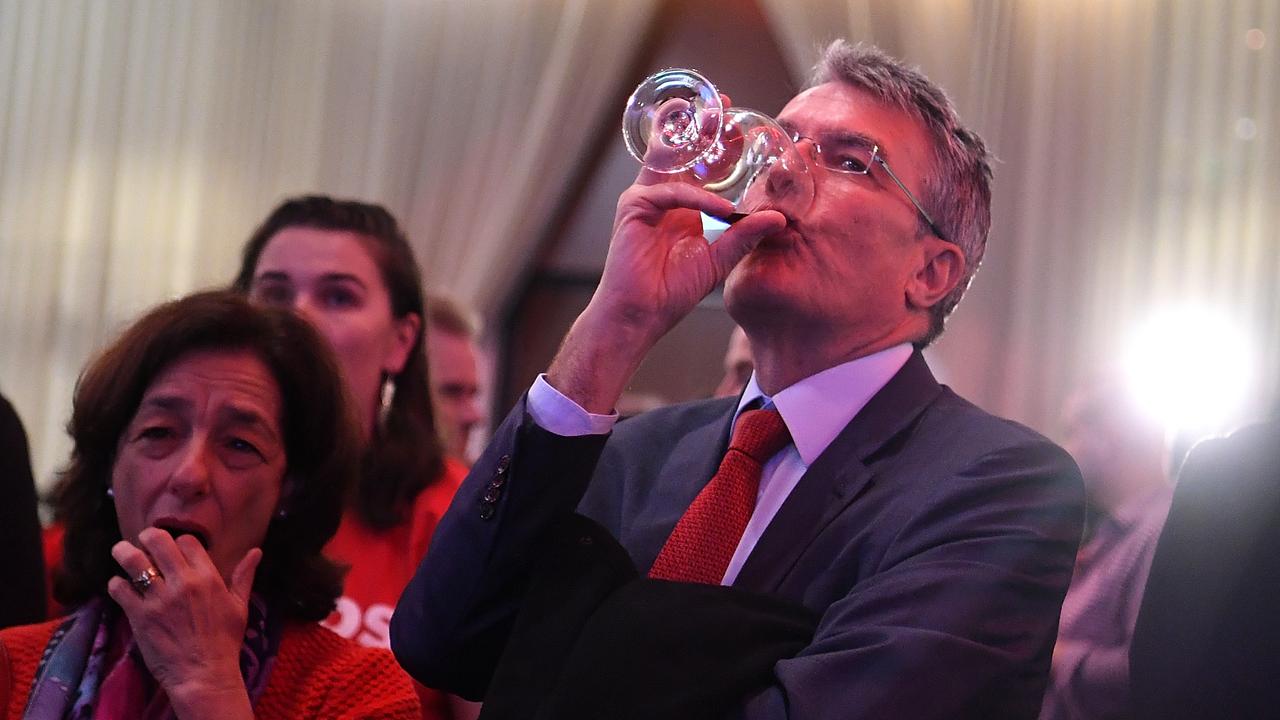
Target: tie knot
(760,434)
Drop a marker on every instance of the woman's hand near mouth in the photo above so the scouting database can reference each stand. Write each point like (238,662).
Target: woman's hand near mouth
(188,623)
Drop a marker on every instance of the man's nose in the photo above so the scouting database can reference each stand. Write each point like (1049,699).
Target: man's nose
(781,180)
(789,180)
(471,411)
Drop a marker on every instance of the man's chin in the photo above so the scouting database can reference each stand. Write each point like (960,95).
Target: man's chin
(756,285)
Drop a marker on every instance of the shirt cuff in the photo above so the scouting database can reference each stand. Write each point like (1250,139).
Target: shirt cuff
(556,413)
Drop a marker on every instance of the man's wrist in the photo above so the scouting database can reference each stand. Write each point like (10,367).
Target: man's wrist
(598,358)
(554,412)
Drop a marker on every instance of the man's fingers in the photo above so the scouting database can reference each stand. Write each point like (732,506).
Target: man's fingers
(743,235)
(652,201)
(242,576)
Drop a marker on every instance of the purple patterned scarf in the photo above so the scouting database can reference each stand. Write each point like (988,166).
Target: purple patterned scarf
(74,663)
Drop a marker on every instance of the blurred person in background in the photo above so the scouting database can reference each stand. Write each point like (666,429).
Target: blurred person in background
(1207,643)
(23,600)
(1123,456)
(738,365)
(453,372)
(213,447)
(347,267)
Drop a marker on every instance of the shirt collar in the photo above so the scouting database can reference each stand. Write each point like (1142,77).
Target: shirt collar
(818,407)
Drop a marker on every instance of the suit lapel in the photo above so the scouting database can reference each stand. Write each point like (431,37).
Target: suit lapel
(689,458)
(838,476)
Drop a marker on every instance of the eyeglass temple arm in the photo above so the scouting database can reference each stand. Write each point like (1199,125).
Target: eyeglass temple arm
(919,208)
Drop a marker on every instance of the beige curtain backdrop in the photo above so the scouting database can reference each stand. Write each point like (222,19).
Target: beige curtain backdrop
(141,140)
(1139,147)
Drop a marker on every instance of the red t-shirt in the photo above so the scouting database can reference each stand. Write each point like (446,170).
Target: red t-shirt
(382,563)
(51,540)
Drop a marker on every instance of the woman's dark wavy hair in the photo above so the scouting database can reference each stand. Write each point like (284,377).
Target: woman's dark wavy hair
(404,455)
(321,442)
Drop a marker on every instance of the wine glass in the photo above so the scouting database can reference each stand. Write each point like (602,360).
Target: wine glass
(676,123)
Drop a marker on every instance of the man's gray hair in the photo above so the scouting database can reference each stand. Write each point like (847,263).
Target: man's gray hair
(957,194)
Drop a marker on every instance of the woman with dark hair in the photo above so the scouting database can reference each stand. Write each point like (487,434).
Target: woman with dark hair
(347,267)
(213,446)
(23,600)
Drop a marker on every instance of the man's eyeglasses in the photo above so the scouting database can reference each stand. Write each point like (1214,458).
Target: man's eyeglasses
(856,159)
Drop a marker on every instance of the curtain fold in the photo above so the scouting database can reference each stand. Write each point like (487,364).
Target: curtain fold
(142,140)
(1139,158)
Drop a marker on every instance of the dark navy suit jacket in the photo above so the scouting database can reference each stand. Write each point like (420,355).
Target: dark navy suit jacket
(1207,639)
(934,541)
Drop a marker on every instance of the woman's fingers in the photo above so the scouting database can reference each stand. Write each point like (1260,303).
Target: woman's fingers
(194,554)
(160,545)
(242,577)
(125,595)
(135,562)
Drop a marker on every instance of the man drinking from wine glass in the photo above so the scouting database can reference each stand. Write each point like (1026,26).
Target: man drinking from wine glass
(845,539)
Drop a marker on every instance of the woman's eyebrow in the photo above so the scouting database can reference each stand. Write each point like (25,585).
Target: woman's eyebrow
(247,417)
(168,403)
(342,277)
(274,275)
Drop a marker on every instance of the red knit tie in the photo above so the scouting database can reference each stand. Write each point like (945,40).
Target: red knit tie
(703,542)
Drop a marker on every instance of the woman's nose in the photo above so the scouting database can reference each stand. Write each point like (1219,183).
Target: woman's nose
(306,309)
(190,479)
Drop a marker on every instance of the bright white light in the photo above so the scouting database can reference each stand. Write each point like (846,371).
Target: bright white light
(1191,368)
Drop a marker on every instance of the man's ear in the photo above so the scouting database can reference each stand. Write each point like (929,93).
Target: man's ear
(941,269)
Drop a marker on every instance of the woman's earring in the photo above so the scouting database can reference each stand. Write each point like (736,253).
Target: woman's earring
(111,492)
(388,396)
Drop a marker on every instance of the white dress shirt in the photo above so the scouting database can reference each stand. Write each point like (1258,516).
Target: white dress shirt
(815,410)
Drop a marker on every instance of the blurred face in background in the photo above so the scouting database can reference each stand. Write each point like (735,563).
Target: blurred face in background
(738,364)
(1121,451)
(455,387)
(331,278)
